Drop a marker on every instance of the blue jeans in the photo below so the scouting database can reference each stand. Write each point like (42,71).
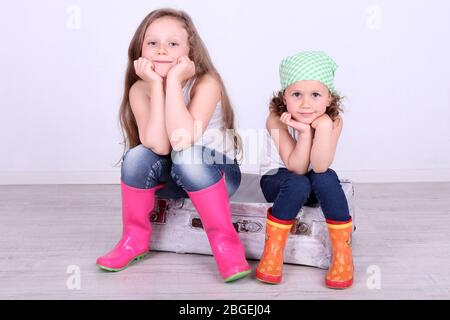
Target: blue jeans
(290,191)
(192,169)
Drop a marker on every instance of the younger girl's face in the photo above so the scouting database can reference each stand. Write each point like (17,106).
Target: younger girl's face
(165,41)
(307,100)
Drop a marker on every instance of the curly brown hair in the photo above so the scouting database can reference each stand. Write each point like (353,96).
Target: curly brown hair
(277,105)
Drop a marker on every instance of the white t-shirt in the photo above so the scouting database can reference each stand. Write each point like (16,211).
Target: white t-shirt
(270,157)
(215,136)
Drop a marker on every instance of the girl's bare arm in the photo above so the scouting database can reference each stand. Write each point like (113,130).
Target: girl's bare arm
(147,104)
(294,154)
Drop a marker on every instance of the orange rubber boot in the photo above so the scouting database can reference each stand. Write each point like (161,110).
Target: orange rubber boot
(340,273)
(270,268)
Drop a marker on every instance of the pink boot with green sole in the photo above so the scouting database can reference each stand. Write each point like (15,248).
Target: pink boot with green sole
(213,206)
(134,245)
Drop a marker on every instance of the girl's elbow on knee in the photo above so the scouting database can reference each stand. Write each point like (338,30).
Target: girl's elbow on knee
(179,146)
(159,150)
(320,169)
(297,171)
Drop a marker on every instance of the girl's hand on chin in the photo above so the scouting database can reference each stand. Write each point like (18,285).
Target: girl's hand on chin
(183,70)
(301,127)
(324,121)
(145,69)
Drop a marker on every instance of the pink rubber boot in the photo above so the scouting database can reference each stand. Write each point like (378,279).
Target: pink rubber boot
(213,206)
(134,245)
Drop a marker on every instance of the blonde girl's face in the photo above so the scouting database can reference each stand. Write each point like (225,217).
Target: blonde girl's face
(307,100)
(165,41)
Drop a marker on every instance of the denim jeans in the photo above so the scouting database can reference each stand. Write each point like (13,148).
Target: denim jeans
(192,169)
(290,191)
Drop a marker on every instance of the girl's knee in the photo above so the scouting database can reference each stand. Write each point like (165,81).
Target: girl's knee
(298,185)
(193,169)
(193,155)
(194,177)
(136,162)
(187,162)
(328,177)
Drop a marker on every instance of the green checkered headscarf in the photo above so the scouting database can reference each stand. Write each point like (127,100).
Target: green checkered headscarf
(315,65)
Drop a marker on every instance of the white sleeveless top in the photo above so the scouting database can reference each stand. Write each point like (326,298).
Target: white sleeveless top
(215,136)
(270,157)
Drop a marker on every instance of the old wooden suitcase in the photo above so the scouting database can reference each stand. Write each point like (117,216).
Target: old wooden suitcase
(178,228)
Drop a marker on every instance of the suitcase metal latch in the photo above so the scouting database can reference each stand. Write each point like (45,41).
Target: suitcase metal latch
(197,223)
(158,214)
(300,228)
(243,226)
(246,226)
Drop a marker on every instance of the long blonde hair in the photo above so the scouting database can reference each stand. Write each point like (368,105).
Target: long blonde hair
(203,65)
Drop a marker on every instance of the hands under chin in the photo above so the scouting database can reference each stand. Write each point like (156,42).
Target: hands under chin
(183,70)
(145,70)
(301,127)
(322,122)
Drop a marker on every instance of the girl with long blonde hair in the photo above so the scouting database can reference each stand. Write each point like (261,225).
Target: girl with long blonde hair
(180,141)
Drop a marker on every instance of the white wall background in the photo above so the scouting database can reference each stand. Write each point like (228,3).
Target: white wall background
(62,67)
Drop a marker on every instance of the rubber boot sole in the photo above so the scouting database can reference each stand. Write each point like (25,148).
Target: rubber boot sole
(134,260)
(238,276)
